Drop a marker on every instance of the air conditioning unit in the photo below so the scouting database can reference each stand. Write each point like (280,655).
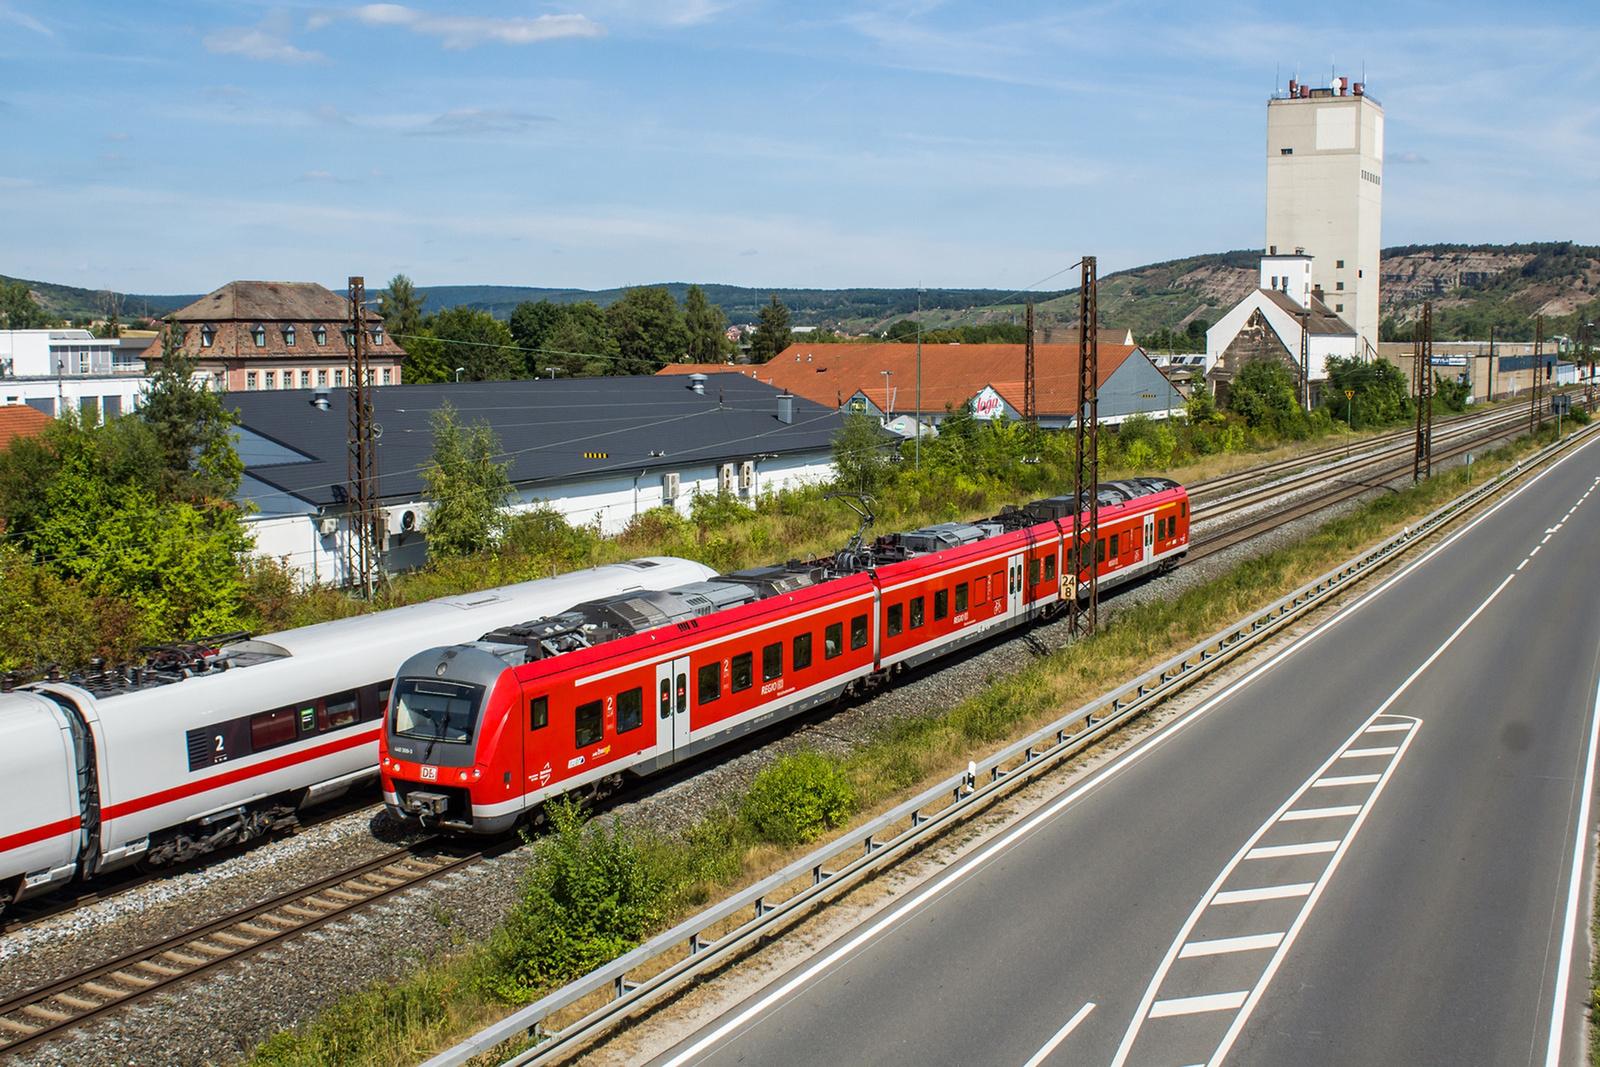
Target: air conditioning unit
(725,478)
(669,487)
(747,476)
(327,526)
(411,518)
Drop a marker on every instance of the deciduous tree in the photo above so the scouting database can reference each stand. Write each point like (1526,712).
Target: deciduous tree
(649,330)
(467,487)
(772,332)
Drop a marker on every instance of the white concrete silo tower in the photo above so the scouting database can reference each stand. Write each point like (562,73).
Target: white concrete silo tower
(1325,193)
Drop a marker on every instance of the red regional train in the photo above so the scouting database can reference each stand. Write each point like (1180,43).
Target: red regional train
(478,734)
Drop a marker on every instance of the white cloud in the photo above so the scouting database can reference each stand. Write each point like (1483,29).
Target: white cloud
(224,92)
(460,32)
(470,121)
(11,14)
(117,137)
(267,41)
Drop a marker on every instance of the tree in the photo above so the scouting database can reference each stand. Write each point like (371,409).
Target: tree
(18,311)
(772,332)
(1263,392)
(192,429)
(861,454)
(466,487)
(649,330)
(532,323)
(465,337)
(401,308)
(707,324)
(1382,393)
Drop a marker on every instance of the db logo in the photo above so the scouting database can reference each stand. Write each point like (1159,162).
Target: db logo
(430,774)
(544,775)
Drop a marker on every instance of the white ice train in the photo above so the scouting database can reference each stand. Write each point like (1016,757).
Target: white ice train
(207,746)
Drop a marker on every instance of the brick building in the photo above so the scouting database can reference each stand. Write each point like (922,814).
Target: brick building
(280,335)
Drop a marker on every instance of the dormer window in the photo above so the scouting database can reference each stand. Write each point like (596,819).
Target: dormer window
(377,335)
(288,334)
(208,334)
(349,337)
(259,332)
(320,334)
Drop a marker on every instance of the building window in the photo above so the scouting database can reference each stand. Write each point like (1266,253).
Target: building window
(288,335)
(338,378)
(349,337)
(1339,264)
(305,379)
(388,376)
(250,379)
(1338,307)
(260,334)
(1339,286)
(207,335)
(1285,151)
(272,380)
(377,335)
(320,334)
(370,377)
(322,377)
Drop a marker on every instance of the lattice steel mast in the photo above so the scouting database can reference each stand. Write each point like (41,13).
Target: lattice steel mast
(363,542)
(1086,468)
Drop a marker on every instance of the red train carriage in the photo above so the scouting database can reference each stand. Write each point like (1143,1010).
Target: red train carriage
(480,733)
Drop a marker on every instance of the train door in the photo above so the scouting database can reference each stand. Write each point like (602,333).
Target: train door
(88,780)
(672,708)
(1149,536)
(1015,592)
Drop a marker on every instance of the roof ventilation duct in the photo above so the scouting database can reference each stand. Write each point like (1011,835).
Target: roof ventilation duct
(785,407)
(697,382)
(319,398)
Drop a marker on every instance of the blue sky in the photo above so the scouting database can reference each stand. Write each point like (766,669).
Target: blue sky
(174,146)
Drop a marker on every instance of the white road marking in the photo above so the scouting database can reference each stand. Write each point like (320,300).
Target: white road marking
(1521,565)
(1358,753)
(1580,872)
(1278,852)
(1547,538)
(1344,779)
(1387,727)
(1320,813)
(1161,1009)
(1061,1035)
(1266,892)
(1535,551)
(1223,945)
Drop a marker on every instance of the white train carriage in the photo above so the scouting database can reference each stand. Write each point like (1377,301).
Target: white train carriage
(156,765)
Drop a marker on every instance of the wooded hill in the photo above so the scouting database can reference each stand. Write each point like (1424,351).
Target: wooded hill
(1472,288)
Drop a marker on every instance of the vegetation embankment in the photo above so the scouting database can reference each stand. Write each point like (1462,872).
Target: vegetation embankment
(595,889)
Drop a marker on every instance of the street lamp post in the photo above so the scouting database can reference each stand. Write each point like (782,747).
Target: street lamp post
(554,371)
(458,373)
(886,375)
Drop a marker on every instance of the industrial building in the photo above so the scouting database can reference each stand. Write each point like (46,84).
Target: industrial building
(1285,319)
(598,450)
(54,370)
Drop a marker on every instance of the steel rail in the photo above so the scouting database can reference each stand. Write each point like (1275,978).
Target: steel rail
(686,950)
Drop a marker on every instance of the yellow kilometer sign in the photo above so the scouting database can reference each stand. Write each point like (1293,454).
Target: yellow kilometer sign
(1348,393)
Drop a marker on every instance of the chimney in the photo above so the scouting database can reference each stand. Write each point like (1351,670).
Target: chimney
(697,382)
(1294,87)
(319,398)
(785,407)
(1360,88)
(1316,293)
(1344,86)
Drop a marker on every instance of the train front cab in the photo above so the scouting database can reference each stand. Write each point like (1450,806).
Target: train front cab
(443,742)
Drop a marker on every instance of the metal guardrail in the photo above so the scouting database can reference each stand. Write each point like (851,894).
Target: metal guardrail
(860,851)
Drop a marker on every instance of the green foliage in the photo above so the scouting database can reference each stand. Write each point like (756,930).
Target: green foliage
(462,337)
(969,334)
(401,308)
(1146,443)
(649,330)
(1191,338)
(19,311)
(1382,394)
(192,431)
(467,488)
(862,452)
(797,798)
(590,894)
(1263,393)
(717,510)
(707,326)
(1201,407)
(772,332)
(1451,393)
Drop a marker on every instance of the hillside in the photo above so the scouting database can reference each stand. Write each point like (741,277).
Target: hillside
(1473,287)
(76,305)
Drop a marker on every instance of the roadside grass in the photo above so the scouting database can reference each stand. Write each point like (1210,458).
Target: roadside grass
(596,889)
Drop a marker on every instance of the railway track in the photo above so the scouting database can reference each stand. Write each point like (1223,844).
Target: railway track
(28,1018)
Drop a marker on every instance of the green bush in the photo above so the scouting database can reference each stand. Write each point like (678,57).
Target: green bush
(797,798)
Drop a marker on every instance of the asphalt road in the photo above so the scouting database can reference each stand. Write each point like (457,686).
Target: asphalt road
(1361,852)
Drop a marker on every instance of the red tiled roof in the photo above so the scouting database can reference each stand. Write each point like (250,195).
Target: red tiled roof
(19,420)
(951,374)
(270,302)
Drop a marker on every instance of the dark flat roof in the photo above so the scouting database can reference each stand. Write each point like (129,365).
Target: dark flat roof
(544,427)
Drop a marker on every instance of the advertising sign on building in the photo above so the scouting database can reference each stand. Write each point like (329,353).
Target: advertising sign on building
(988,404)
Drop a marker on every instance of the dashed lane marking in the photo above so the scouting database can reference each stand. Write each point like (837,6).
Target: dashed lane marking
(1266,892)
(1224,945)
(1321,813)
(1162,1009)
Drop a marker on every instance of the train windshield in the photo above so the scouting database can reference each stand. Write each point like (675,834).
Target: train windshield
(435,710)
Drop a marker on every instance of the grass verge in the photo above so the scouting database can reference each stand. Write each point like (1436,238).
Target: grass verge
(593,892)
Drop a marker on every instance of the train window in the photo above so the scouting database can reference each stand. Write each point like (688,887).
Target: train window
(1050,567)
(941,603)
(961,597)
(666,698)
(743,672)
(272,728)
(833,640)
(916,612)
(435,710)
(896,619)
(772,661)
(708,682)
(1114,545)
(538,713)
(1033,572)
(588,724)
(1183,509)
(858,632)
(802,651)
(630,710)
(1100,550)
(339,711)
